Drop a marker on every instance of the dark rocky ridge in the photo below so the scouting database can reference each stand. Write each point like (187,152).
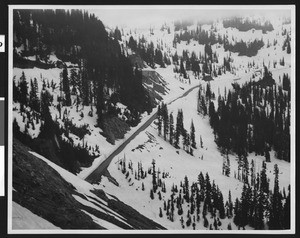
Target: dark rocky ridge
(42,190)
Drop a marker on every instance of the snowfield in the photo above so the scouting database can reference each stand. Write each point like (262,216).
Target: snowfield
(178,163)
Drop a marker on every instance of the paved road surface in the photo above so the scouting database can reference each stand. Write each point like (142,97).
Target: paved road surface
(95,176)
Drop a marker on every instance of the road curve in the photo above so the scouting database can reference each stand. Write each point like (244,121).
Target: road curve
(95,176)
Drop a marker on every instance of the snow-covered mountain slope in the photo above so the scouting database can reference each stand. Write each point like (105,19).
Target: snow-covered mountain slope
(98,204)
(178,164)
(63,199)
(168,87)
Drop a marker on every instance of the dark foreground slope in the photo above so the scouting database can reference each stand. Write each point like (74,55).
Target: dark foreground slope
(42,190)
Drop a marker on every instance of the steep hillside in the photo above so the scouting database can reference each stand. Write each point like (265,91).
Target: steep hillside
(65,200)
(74,69)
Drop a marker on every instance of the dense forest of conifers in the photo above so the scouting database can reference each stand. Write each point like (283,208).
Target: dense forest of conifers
(210,37)
(251,118)
(259,206)
(246,25)
(254,117)
(80,38)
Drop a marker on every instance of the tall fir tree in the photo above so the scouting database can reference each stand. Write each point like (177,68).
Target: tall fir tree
(23,89)
(66,87)
(276,209)
(33,98)
(159,119)
(171,129)
(192,135)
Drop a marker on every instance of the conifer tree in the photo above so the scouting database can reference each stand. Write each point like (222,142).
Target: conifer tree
(252,173)
(66,87)
(221,206)
(154,180)
(16,92)
(159,124)
(160,212)
(288,48)
(151,194)
(276,210)
(33,98)
(227,170)
(229,226)
(192,135)
(165,121)
(230,205)
(23,89)
(100,104)
(178,130)
(245,205)
(205,222)
(287,211)
(237,213)
(171,129)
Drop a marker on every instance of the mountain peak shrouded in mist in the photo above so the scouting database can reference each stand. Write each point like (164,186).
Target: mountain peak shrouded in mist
(152,15)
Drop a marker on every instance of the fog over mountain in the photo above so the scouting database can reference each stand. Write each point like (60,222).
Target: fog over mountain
(146,15)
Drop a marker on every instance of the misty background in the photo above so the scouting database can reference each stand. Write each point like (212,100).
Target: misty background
(143,16)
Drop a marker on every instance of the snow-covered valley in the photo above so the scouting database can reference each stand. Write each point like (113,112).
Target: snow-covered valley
(76,114)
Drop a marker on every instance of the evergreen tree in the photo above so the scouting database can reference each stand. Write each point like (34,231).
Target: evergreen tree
(201,142)
(221,206)
(85,87)
(252,173)
(160,212)
(264,184)
(165,121)
(287,211)
(73,80)
(143,187)
(33,98)
(288,48)
(227,169)
(171,130)
(178,130)
(276,210)
(151,194)
(66,87)
(267,155)
(100,104)
(230,205)
(154,180)
(237,213)
(48,126)
(205,222)
(23,89)
(229,226)
(192,135)
(245,205)
(159,124)
(16,92)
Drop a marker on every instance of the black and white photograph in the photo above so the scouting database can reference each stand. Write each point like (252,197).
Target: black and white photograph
(128,119)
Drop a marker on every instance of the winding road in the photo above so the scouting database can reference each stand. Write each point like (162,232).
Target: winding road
(95,176)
